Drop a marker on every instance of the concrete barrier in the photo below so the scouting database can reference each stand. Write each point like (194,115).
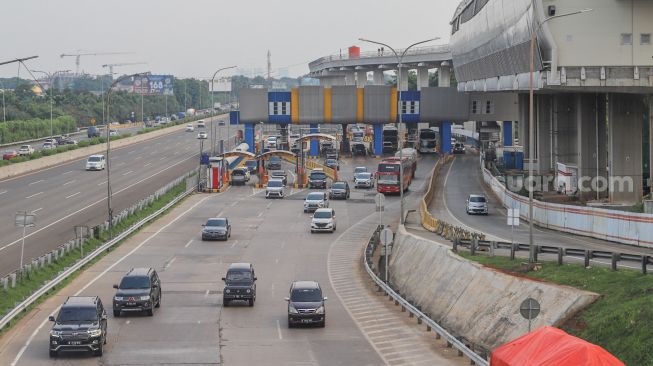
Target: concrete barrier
(64,157)
(473,301)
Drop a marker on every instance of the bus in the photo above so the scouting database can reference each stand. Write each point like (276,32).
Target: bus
(388,174)
(427,142)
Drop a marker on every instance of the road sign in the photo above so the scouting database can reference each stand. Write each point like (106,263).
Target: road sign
(529,308)
(379,199)
(23,218)
(386,236)
(513,217)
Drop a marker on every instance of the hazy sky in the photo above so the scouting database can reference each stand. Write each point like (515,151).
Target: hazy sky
(196,37)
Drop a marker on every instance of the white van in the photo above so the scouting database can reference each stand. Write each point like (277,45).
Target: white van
(95,162)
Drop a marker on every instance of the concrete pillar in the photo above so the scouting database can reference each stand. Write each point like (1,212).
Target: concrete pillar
(315,145)
(445,137)
(650,142)
(523,122)
(591,144)
(422,77)
(326,82)
(444,75)
(625,118)
(379,79)
(507,133)
(543,116)
(350,77)
(565,129)
(404,79)
(361,78)
(378,139)
(249,134)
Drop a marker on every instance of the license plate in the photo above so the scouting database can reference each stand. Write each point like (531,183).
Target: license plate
(131,304)
(75,343)
(306,320)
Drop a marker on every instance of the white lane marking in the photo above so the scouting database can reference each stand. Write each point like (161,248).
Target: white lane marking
(276,261)
(167,265)
(102,183)
(187,244)
(126,173)
(131,152)
(283,244)
(3,192)
(272,289)
(34,195)
(206,294)
(46,320)
(37,210)
(128,321)
(69,182)
(38,181)
(260,214)
(163,158)
(234,244)
(98,201)
(234,204)
(279,329)
(121,163)
(268,206)
(148,164)
(73,195)
(138,157)
(68,172)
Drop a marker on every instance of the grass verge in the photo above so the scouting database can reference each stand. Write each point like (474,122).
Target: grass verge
(34,280)
(619,321)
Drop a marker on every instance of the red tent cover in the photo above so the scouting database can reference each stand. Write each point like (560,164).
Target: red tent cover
(549,346)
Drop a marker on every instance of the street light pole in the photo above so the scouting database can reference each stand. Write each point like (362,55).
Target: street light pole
(51,77)
(4,106)
(213,109)
(531,126)
(399,124)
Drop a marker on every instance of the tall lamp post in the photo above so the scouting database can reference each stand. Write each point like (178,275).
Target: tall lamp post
(51,77)
(108,161)
(531,125)
(400,59)
(214,129)
(4,106)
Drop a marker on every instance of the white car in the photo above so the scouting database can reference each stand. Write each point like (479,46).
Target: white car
(201,124)
(324,219)
(25,150)
(363,180)
(95,162)
(221,122)
(48,145)
(315,201)
(275,188)
(113,133)
(202,135)
(190,128)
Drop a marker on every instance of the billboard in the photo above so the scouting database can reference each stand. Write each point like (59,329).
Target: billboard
(220,85)
(154,84)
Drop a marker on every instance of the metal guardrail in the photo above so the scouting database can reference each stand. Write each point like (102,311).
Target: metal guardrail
(66,273)
(421,317)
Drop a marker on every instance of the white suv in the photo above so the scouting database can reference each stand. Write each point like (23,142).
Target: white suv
(275,188)
(324,219)
(95,162)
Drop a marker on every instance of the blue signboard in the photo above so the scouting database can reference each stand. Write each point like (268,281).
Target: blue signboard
(154,84)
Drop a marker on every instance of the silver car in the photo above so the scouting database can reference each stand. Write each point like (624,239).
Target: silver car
(315,200)
(476,204)
(275,188)
(363,180)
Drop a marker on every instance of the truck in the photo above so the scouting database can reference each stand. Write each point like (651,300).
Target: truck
(390,139)
(566,178)
(190,112)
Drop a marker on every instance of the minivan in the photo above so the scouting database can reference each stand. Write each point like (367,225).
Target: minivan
(306,304)
(239,284)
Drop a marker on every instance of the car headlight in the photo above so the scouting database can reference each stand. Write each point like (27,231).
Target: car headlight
(95,332)
(320,310)
(227,291)
(55,333)
(249,291)
(292,310)
(145,298)
(118,298)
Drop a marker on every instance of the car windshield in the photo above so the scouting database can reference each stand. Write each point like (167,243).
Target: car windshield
(388,179)
(477,199)
(216,222)
(339,185)
(239,276)
(322,215)
(9,151)
(134,282)
(330,161)
(94,158)
(363,176)
(306,295)
(275,183)
(318,176)
(275,159)
(250,163)
(315,196)
(360,169)
(77,314)
(277,173)
(25,147)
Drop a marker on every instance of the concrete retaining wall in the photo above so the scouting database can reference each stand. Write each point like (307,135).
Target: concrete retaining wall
(52,160)
(471,300)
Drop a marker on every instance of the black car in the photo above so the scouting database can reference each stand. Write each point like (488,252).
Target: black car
(251,165)
(81,325)
(306,304)
(458,148)
(216,228)
(279,174)
(139,290)
(339,190)
(358,149)
(274,163)
(240,284)
(317,179)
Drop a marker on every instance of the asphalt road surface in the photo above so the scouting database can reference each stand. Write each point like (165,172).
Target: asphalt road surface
(192,327)
(66,195)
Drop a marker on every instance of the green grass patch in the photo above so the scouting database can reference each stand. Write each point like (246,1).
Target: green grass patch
(34,280)
(619,321)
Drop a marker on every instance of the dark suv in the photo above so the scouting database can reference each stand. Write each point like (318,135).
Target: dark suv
(81,325)
(92,131)
(306,304)
(139,290)
(317,179)
(240,284)
(274,163)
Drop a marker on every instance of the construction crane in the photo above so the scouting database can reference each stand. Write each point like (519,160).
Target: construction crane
(79,55)
(111,66)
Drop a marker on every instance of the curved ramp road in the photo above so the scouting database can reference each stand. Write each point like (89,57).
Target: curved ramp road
(66,195)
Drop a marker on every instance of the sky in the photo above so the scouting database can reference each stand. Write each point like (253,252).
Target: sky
(193,38)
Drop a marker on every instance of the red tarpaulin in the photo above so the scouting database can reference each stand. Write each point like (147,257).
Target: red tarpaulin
(549,346)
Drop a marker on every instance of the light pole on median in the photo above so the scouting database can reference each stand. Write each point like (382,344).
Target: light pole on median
(531,125)
(51,77)
(213,133)
(4,106)
(400,59)
(108,161)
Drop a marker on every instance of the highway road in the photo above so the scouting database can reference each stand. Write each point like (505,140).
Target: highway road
(66,195)
(192,327)
(463,177)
